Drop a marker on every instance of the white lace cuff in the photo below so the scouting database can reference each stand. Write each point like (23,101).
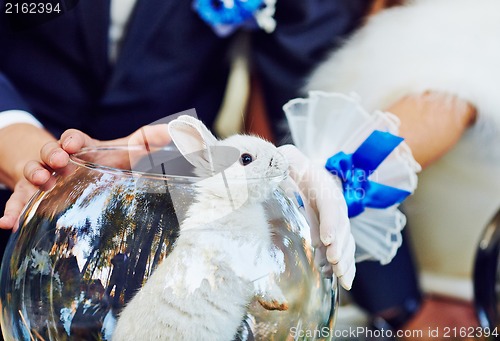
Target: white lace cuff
(325,124)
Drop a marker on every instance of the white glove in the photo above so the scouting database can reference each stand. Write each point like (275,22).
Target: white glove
(326,212)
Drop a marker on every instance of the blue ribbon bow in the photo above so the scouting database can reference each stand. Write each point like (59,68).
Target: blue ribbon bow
(354,170)
(225,16)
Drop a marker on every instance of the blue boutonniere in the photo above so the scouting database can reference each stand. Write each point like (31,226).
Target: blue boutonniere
(225,16)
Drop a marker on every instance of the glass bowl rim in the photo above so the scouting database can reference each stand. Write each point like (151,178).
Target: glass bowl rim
(77,161)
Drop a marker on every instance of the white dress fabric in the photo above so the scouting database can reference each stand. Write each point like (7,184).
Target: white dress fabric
(327,123)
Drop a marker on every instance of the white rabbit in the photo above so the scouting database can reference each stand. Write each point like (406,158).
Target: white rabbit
(221,260)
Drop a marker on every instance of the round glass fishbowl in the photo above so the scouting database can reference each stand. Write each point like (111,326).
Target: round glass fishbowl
(109,252)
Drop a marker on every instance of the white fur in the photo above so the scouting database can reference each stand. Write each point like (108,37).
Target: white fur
(444,45)
(221,260)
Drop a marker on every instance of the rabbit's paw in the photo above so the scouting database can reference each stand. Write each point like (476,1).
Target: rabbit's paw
(273,299)
(273,304)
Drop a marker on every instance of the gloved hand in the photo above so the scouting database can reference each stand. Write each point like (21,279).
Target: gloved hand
(326,212)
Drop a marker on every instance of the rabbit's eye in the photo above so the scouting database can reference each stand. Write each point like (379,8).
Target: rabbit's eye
(245,159)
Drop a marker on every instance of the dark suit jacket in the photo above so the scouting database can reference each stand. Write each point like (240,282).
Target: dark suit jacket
(170,61)
(58,68)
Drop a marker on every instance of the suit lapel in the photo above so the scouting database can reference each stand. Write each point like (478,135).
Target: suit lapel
(146,18)
(95,19)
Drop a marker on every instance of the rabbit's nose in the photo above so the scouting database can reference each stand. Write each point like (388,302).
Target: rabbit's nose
(271,162)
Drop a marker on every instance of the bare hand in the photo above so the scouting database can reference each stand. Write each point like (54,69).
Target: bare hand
(54,157)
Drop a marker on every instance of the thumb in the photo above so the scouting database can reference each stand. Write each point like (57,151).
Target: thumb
(154,135)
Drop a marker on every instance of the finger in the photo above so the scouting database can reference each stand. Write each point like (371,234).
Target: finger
(341,246)
(335,235)
(332,210)
(347,258)
(151,135)
(7,221)
(291,189)
(298,163)
(53,155)
(321,262)
(341,254)
(73,140)
(320,256)
(343,242)
(312,219)
(347,279)
(14,206)
(329,230)
(36,173)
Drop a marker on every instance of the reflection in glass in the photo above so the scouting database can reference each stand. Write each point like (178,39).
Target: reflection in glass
(87,245)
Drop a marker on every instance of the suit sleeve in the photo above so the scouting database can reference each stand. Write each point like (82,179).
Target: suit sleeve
(10,99)
(13,108)
(305,31)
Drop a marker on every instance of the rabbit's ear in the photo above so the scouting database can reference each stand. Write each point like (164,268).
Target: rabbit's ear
(206,134)
(193,139)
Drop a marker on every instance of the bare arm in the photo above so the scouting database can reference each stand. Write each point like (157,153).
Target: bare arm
(432,123)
